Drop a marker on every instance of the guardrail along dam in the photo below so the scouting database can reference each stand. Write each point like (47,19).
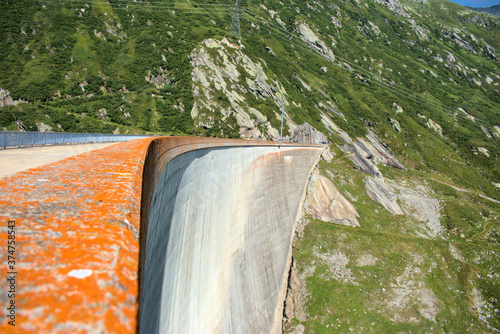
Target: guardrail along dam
(158,235)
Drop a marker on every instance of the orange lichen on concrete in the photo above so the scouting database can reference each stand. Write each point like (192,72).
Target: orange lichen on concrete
(77,251)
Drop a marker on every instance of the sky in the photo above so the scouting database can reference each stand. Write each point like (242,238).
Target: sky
(477,3)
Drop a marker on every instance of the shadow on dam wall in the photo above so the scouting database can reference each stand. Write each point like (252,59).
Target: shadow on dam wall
(217,220)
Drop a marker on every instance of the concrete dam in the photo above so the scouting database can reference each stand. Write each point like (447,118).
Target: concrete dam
(158,235)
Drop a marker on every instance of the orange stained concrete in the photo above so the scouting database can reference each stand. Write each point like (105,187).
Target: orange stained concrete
(79,225)
(80,213)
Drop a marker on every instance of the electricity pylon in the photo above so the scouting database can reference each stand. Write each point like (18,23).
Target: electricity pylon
(282,114)
(235,24)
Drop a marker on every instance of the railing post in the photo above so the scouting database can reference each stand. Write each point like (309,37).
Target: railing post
(19,139)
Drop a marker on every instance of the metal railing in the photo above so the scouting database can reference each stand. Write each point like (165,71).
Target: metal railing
(27,139)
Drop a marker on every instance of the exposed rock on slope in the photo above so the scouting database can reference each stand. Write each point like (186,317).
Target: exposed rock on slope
(305,133)
(222,76)
(382,193)
(327,155)
(367,153)
(364,152)
(395,6)
(324,202)
(419,203)
(6,99)
(160,79)
(377,152)
(308,36)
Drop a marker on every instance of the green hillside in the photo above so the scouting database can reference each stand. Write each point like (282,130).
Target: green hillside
(424,76)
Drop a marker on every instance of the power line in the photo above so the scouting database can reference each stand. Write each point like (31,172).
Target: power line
(198,8)
(381,81)
(276,30)
(372,77)
(150,9)
(135,3)
(235,24)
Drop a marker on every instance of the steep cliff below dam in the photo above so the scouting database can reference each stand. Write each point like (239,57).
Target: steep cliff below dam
(219,227)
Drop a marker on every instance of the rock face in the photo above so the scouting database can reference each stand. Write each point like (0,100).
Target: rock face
(367,152)
(306,134)
(397,108)
(364,152)
(496,131)
(434,126)
(395,6)
(160,79)
(327,155)
(377,152)
(6,99)
(222,75)
(308,36)
(43,127)
(381,192)
(324,202)
(395,124)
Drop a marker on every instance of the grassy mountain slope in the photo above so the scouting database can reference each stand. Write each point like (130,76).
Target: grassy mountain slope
(72,59)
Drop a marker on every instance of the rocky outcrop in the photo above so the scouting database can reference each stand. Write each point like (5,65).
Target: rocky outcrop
(160,78)
(219,89)
(20,126)
(381,192)
(102,113)
(42,127)
(362,164)
(6,99)
(377,152)
(367,152)
(395,124)
(435,126)
(455,37)
(311,39)
(324,202)
(364,152)
(395,6)
(482,150)
(496,131)
(306,134)
(397,108)
(327,155)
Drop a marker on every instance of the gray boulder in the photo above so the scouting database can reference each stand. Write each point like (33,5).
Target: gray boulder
(381,192)
(306,134)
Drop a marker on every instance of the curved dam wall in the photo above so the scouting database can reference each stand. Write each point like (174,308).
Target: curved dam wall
(94,240)
(219,236)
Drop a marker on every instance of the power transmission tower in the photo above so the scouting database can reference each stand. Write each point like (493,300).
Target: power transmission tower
(235,24)
(282,114)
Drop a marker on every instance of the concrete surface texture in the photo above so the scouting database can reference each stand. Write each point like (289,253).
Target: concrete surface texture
(77,250)
(14,160)
(220,227)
